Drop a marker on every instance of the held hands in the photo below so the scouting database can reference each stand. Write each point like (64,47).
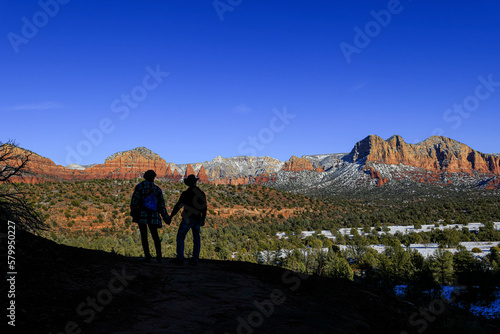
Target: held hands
(167,219)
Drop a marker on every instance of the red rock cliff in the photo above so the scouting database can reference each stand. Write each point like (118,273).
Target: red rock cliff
(297,164)
(129,165)
(122,165)
(38,168)
(436,154)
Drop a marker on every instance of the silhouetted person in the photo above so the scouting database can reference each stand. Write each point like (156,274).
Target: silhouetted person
(143,212)
(194,202)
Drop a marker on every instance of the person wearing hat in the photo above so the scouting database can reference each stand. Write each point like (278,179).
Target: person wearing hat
(194,202)
(146,207)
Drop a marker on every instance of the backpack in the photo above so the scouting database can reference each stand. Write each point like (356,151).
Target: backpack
(150,200)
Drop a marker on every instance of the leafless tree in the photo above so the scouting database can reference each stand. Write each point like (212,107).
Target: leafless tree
(13,203)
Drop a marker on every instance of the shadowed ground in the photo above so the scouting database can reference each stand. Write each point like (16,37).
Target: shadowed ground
(62,289)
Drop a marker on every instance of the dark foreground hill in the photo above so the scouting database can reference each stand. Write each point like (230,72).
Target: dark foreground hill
(61,289)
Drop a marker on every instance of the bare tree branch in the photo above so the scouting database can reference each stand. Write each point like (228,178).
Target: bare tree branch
(10,164)
(13,203)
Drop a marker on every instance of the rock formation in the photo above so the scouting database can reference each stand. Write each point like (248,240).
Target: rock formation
(437,160)
(189,171)
(38,168)
(297,164)
(264,178)
(376,175)
(176,177)
(241,166)
(436,154)
(129,165)
(122,165)
(202,175)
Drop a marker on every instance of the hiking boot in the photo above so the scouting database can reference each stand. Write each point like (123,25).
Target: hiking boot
(193,262)
(177,261)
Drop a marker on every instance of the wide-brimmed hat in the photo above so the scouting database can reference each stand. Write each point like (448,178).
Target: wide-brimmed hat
(190,180)
(149,175)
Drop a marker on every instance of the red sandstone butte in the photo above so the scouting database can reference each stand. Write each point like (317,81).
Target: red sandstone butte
(189,171)
(202,175)
(436,154)
(129,165)
(297,164)
(176,176)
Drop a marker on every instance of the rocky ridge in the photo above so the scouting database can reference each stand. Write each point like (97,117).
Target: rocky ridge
(373,162)
(436,154)
(38,168)
(236,170)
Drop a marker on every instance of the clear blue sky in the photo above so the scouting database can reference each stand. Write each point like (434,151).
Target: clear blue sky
(335,72)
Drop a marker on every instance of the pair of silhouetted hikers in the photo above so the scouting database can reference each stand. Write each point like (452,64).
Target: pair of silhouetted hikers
(147,208)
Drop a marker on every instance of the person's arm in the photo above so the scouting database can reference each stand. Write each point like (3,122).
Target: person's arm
(135,203)
(177,206)
(162,209)
(135,199)
(203,209)
(176,209)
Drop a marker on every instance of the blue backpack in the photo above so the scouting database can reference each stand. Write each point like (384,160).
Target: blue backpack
(150,200)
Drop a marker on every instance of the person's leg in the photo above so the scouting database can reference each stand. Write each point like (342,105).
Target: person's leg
(143,228)
(156,239)
(196,241)
(181,235)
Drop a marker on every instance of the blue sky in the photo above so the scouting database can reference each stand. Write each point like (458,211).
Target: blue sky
(191,80)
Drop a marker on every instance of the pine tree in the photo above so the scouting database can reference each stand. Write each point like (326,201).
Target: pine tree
(336,266)
(442,266)
(464,264)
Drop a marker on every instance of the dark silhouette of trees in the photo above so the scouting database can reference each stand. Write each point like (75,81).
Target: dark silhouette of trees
(13,203)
